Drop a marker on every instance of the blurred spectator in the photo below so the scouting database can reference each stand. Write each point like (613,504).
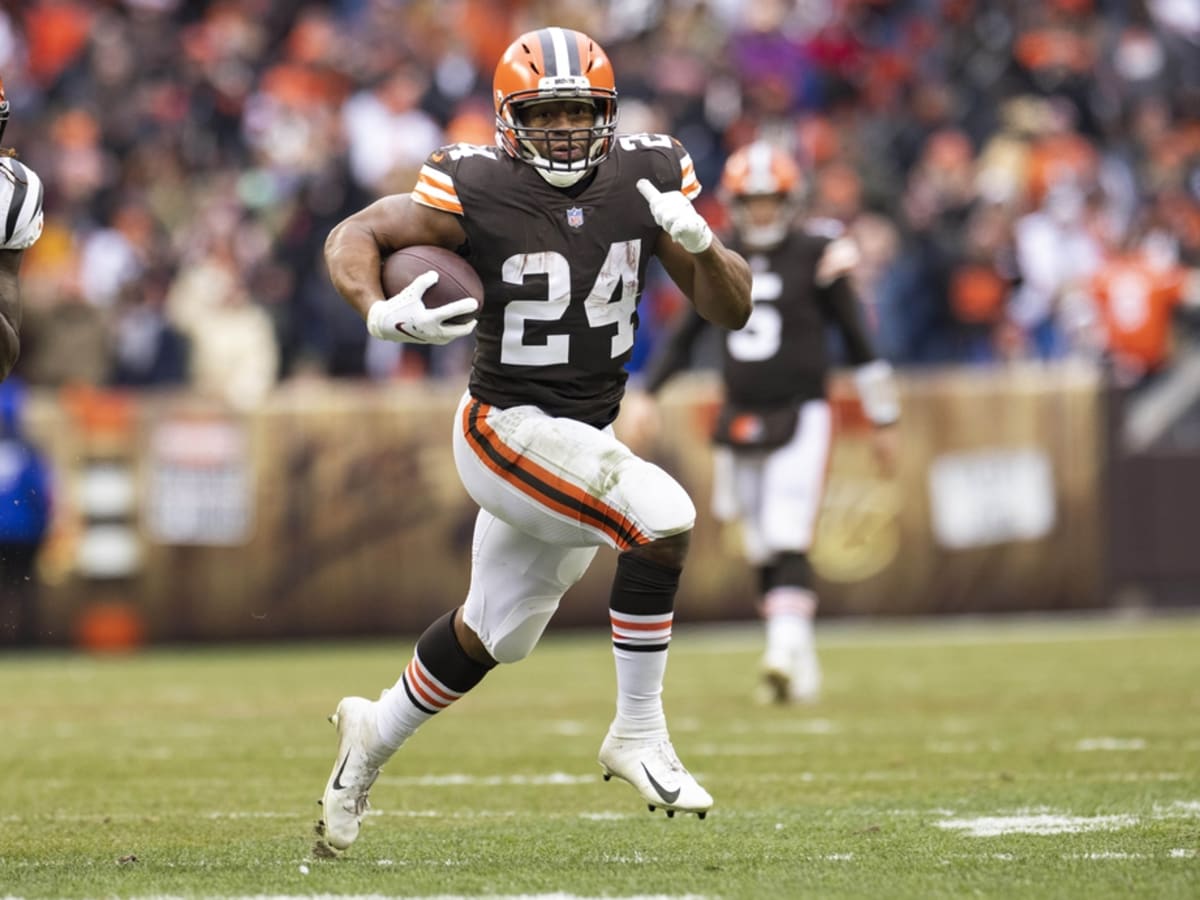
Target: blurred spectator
(1057,252)
(1137,292)
(148,351)
(64,341)
(234,352)
(945,125)
(387,132)
(981,282)
(25,508)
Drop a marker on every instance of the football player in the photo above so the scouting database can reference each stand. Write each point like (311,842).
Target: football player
(20,226)
(774,429)
(560,220)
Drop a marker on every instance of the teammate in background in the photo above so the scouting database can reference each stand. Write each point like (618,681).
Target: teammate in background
(560,220)
(20,226)
(774,429)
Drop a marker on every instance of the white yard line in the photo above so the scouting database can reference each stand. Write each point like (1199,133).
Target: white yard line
(994,826)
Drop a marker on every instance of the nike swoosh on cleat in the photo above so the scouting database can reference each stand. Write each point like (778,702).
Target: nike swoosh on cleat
(668,796)
(337,779)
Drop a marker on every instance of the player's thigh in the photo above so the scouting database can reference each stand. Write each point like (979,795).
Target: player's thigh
(517,582)
(738,482)
(564,482)
(793,482)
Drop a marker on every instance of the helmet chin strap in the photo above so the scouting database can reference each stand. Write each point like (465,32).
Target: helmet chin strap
(764,237)
(559,179)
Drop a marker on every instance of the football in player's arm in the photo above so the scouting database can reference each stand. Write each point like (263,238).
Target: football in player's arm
(774,428)
(20,227)
(560,220)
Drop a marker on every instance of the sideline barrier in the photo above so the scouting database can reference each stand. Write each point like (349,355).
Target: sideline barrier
(335,510)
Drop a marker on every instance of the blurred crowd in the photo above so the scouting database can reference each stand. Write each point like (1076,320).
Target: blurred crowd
(1023,178)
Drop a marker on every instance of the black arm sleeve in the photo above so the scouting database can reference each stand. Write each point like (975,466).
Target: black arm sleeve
(846,310)
(674,353)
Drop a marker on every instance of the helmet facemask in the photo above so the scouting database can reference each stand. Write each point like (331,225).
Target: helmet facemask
(762,186)
(544,147)
(556,65)
(758,230)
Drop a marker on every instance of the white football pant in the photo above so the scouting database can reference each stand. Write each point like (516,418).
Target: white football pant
(551,492)
(776,494)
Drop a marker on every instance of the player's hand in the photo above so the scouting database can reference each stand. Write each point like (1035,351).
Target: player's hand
(838,260)
(885,447)
(676,216)
(406,320)
(639,423)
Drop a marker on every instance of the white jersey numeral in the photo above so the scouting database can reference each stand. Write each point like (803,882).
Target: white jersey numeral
(762,335)
(643,139)
(620,270)
(462,151)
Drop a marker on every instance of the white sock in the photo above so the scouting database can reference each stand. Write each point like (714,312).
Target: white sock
(415,699)
(789,615)
(640,652)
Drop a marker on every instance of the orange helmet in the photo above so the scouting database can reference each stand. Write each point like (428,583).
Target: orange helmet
(761,170)
(555,64)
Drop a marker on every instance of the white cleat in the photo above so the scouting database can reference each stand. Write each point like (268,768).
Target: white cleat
(799,683)
(652,767)
(355,769)
(806,679)
(776,686)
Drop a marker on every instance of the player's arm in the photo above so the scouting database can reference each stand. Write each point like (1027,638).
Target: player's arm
(714,278)
(639,423)
(355,248)
(10,310)
(874,378)
(21,196)
(674,352)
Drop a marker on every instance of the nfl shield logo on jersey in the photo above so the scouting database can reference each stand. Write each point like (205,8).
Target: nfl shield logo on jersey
(575,217)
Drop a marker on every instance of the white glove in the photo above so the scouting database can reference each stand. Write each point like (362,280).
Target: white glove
(676,216)
(406,320)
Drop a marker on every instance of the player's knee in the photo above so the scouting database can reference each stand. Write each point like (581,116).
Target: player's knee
(660,503)
(513,646)
(669,551)
(470,642)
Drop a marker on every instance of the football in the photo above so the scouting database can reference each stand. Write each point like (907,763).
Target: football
(456,277)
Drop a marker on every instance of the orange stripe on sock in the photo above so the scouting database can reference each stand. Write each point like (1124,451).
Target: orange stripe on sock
(634,625)
(428,692)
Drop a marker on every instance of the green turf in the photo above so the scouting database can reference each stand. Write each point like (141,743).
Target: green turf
(205,765)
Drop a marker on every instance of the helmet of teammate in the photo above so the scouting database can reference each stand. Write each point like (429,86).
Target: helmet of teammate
(761,184)
(555,64)
(3,111)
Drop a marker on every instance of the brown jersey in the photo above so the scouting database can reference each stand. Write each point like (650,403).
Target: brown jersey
(562,269)
(780,359)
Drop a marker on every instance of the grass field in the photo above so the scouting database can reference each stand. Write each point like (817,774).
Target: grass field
(1007,759)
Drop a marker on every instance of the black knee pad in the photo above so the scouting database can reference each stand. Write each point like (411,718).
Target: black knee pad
(643,587)
(786,570)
